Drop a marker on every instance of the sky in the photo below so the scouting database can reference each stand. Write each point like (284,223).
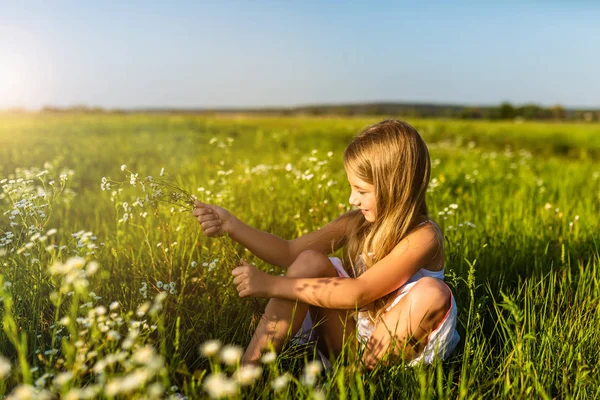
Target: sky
(211,54)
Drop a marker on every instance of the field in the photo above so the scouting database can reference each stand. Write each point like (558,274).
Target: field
(127,317)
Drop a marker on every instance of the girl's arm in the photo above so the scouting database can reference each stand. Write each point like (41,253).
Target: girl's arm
(391,272)
(277,251)
(270,248)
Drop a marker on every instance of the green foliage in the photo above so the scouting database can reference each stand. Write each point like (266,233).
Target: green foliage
(519,204)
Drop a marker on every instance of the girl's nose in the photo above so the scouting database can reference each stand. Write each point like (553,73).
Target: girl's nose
(353,201)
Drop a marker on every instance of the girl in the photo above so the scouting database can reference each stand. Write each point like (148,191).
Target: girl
(392,270)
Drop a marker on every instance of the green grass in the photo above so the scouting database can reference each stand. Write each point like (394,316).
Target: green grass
(525,277)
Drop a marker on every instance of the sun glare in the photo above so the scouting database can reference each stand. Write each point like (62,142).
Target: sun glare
(19,83)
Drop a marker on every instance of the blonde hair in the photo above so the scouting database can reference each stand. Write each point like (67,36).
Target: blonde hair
(391,156)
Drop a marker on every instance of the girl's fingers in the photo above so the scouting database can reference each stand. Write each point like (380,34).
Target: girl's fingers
(238,279)
(212,231)
(210,224)
(202,211)
(237,271)
(207,217)
(198,203)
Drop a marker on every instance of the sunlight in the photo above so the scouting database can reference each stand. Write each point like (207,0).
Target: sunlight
(19,67)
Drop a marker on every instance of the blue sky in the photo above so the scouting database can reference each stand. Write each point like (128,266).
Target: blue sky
(271,53)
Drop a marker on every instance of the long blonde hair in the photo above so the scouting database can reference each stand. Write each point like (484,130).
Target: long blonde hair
(391,156)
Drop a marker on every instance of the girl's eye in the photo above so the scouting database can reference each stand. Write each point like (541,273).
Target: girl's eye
(361,193)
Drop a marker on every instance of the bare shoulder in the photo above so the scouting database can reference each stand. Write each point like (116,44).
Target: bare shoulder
(427,238)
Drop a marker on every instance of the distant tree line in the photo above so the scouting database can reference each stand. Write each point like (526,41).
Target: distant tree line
(505,111)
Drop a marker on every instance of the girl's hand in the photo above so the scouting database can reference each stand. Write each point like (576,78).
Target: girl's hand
(251,281)
(215,221)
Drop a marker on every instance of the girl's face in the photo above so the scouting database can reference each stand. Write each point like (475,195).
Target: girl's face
(362,196)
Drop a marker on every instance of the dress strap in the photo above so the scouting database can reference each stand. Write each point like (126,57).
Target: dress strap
(424,222)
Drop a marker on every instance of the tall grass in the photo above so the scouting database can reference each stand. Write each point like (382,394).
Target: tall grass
(519,205)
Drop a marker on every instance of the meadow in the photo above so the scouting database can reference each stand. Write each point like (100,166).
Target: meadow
(107,296)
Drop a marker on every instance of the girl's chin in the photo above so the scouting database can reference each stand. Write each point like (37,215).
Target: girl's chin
(368,216)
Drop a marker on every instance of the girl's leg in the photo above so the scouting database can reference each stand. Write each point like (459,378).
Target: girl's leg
(284,317)
(403,331)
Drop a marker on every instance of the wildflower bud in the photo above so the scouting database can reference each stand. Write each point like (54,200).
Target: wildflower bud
(269,357)
(280,382)
(210,348)
(247,374)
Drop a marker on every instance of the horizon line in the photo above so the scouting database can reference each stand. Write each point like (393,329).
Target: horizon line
(296,106)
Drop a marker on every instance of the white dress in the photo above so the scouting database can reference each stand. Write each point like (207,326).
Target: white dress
(442,340)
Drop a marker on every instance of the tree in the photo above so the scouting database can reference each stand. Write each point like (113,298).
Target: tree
(507,111)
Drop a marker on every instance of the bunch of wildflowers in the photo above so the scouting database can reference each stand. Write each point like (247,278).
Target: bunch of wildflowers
(26,202)
(229,379)
(154,191)
(103,352)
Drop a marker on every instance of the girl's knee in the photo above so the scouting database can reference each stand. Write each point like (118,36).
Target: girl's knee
(311,263)
(430,296)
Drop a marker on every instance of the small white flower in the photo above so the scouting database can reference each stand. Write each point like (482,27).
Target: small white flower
(217,386)
(313,368)
(269,357)
(5,367)
(113,335)
(23,392)
(247,374)
(155,390)
(231,354)
(453,206)
(210,348)
(143,309)
(280,382)
(91,268)
(123,167)
(159,284)
(63,378)
(308,380)
(162,171)
(144,355)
